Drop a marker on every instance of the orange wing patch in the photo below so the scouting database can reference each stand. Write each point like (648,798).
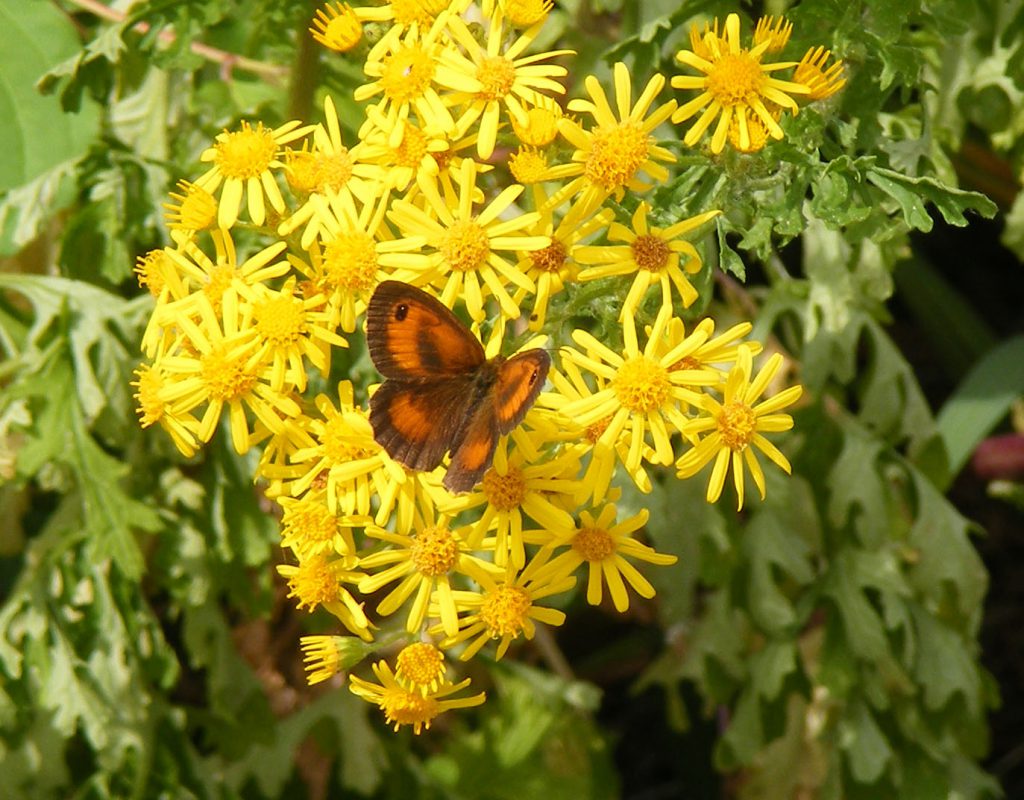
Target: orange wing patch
(520,380)
(474,453)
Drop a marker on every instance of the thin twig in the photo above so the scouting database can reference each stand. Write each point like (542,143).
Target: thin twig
(272,72)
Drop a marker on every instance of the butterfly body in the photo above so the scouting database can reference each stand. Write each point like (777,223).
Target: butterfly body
(441,393)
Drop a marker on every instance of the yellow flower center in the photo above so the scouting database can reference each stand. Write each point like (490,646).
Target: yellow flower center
(496,75)
(219,278)
(737,424)
(246,153)
(420,664)
(225,378)
(407,74)
(541,126)
(341,32)
(504,611)
(434,551)
(302,171)
(593,544)
(524,13)
(504,492)
(403,707)
(309,525)
(342,443)
(650,252)
(465,246)
(151,407)
(150,270)
(314,583)
(736,78)
(422,11)
(550,258)
(616,154)
(412,148)
(281,321)
(642,385)
(528,166)
(350,262)
(335,170)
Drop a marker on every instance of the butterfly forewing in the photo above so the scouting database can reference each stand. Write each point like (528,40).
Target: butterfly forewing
(519,382)
(413,335)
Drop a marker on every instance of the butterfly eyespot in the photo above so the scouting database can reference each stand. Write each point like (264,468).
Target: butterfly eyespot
(533,377)
(401,311)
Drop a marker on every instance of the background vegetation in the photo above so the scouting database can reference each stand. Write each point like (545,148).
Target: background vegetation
(829,642)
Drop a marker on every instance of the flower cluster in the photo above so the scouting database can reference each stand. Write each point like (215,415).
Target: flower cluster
(469,180)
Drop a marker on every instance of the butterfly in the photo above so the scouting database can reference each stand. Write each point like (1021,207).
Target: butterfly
(441,393)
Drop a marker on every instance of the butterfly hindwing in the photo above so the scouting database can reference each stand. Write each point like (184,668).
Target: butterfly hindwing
(518,383)
(417,422)
(474,451)
(412,335)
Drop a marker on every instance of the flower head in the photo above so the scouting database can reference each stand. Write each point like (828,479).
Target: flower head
(337,27)
(410,706)
(642,393)
(651,255)
(243,164)
(610,156)
(735,424)
(734,84)
(605,546)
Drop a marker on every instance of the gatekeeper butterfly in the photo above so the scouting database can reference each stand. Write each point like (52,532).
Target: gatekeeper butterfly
(442,394)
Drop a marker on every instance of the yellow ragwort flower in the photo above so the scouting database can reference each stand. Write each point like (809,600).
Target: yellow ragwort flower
(605,546)
(341,453)
(318,581)
(610,156)
(326,656)
(214,365)
(464,248)
(420,666)
(551,267)
(153,407)
(404,706)
(735,424)
(424,559)
(337,27)
(490,77)
(518,485)
(243,168)
(507,609)
(822,82)
(651,255)
(403,69)
(642,394)
(734,82)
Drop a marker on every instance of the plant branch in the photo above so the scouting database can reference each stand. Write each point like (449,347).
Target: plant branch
(274,73)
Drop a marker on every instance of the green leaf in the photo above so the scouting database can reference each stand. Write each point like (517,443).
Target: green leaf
(912,193)
(35,136)
(867,750)
(982,399)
